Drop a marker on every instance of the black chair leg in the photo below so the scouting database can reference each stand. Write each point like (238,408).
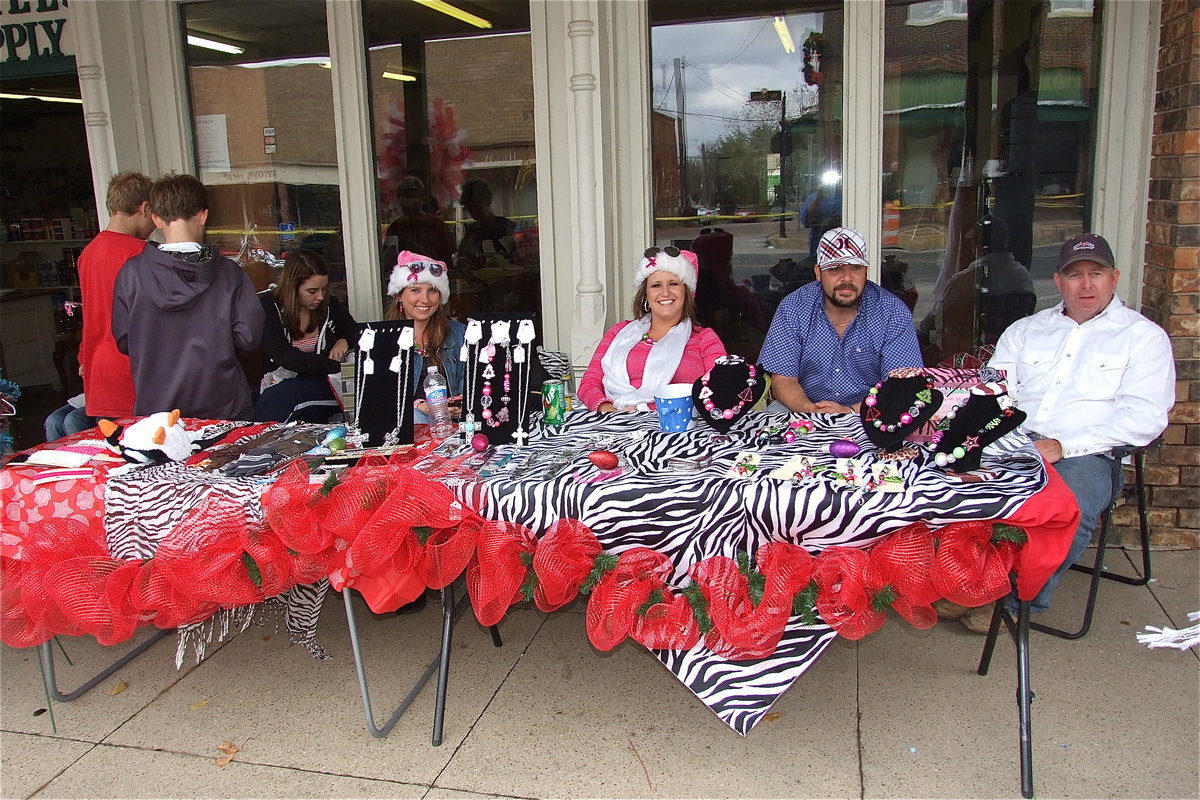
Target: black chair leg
(1024,699)
(496,640)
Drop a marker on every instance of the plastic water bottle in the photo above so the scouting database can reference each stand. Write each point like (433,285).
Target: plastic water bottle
(437,397)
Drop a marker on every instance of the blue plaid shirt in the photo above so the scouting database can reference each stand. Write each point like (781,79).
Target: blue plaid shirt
(802,344)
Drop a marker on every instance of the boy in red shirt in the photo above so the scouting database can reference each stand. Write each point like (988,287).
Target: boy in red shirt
(107,380)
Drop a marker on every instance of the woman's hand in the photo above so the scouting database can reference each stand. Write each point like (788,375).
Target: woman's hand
(606,408)
(339,349)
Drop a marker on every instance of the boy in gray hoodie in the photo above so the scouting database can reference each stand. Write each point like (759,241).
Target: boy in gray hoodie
(183,313)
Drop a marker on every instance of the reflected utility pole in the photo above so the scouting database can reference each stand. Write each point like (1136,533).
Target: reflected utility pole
(683,169)
(777,96)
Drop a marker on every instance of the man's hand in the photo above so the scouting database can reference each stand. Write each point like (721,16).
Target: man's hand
(339,350)
(830,407)
(1051,449)
(788,391)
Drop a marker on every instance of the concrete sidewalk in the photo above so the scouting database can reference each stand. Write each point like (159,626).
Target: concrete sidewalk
(900,714)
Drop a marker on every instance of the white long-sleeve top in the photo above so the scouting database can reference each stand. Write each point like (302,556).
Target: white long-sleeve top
(1105,383)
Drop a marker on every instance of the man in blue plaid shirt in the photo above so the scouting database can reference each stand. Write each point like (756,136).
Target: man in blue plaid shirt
(833,339)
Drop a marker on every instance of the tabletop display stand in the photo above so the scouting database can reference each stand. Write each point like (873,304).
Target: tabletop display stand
(385,388)
(503,379)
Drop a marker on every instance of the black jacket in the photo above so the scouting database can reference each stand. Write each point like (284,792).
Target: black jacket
(183,322)
(277,342)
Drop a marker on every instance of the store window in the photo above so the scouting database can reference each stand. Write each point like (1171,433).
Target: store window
(746,137)
(453,126)
(989,119)
(263,123)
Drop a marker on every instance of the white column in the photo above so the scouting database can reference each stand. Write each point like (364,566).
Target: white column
(1124,126)
(572,181)
(862,124)
(356,162)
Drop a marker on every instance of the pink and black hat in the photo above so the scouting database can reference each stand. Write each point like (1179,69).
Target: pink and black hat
(413,268)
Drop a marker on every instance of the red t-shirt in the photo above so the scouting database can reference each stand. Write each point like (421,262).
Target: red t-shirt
(107,380)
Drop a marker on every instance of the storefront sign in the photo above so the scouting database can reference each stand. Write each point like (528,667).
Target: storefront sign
(33,29)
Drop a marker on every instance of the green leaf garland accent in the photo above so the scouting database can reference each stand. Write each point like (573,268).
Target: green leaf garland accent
(756,582)
(804,605)
(252,568)
(530,582)
(699,605)
(331,480)
(1008,533)
(604,562)
(655,598)
(423,533)
(884,598)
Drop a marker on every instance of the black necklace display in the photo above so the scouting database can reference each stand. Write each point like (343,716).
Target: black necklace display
(728,391)
(972,427)
(898,406)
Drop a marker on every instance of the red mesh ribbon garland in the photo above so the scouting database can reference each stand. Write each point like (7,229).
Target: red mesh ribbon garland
(29,613)
(667,625)
(564,558)
(294,509)
(967,568)
(623,589)
(152,594)
(203,556)
(79,587)
(847,582)
(447,551)
(905,562)
(354,499)
(496,572)
(742,630)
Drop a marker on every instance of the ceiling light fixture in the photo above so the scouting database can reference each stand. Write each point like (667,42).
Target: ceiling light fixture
(42,97)
(212,44)
(457,13)
(399,76)
(785,35)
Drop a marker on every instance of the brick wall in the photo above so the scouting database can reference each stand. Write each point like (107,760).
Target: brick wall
(1172,284)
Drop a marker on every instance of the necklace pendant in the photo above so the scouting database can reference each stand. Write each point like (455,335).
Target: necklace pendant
(705,392)
(485,401)
(489,372)
(745,396)
(502,416)
(520,435)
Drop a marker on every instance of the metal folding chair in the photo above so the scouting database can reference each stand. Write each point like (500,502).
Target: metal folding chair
(1096,570)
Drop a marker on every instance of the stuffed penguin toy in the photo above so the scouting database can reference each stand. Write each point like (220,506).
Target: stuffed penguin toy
(156,439)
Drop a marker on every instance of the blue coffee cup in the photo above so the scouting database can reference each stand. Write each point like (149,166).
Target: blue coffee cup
(675,406)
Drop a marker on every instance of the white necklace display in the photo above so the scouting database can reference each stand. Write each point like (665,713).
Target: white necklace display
(525,335)
(366,340)
(472,339)
(402,366)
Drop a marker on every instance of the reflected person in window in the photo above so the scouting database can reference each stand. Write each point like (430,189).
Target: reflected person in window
(1091,375)
(833,339)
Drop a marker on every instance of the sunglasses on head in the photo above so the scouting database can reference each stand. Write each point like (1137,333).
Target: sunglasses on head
(651,252)
(415,268)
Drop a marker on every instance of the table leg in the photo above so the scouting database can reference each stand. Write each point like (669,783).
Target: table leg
(1024,699)
(46,654)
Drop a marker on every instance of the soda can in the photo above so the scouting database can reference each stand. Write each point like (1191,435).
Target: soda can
(554,402)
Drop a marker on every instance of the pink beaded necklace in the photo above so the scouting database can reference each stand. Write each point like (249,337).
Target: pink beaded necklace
(745,396)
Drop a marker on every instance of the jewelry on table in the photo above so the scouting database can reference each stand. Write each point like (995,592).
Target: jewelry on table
(745,396)
(905,453)
(972,442)
(871,414)
(789,432)
(495,420)
(472,338)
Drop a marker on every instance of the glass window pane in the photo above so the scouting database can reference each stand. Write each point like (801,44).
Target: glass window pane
(989,120)
(746,149)
(452,110)
(263,123)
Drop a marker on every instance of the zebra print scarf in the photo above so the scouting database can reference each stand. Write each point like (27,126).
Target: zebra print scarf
(660,367)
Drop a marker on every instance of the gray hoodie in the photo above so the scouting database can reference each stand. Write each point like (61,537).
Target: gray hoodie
(183,321)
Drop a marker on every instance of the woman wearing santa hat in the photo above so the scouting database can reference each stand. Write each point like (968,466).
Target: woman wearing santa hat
(661,345)
(420,288)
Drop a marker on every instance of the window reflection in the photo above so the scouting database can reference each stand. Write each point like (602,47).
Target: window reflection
(746,143)
(988,125)
(263,125)
(452,108)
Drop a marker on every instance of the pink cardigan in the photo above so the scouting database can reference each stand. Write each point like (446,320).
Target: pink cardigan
(699,355)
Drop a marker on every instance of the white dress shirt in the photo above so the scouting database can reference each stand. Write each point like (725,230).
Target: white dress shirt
(1105,383)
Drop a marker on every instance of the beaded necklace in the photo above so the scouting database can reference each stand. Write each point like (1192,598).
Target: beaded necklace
(971,442)
(744,396)
(871,414)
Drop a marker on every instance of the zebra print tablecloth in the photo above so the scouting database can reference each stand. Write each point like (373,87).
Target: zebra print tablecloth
(688,516)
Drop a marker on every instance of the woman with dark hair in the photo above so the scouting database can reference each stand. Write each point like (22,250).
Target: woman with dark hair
(420,288)
(306,334)
(662,344)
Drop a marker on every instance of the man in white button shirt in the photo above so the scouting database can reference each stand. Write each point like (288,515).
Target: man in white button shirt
(1091,375)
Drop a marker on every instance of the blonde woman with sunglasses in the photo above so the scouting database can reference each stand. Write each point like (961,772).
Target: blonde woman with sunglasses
(662,344)
(420,288)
